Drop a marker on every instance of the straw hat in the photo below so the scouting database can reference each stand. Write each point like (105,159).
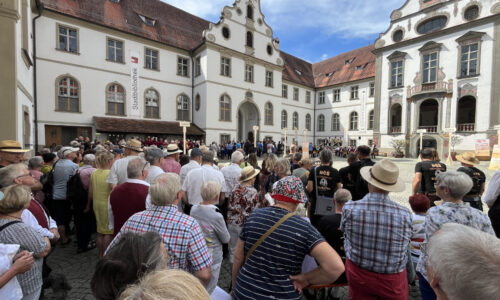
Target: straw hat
(134,145)
(289,189)
(173,149)
(248,173)
(468,158)
(384,175)
(12,146)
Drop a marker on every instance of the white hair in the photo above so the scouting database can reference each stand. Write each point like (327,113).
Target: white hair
(135,167)
(236,157)
(210,190)
(458,183)
(11,172)
(89,159)
(164,189)
(341,196)
(283,166)
(465,261)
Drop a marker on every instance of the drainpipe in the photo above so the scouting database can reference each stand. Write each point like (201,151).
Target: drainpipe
(35,92)
(314,120)
(191,53)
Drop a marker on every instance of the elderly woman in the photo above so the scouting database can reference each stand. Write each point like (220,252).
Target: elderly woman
(126,262)
(305,165)
(266,171)
(213,226)
(16,198)
(99,191)
(451,187)
(281,170)
(272,246)
(243,199)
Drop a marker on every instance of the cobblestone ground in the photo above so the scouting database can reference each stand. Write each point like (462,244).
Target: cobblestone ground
(78,268)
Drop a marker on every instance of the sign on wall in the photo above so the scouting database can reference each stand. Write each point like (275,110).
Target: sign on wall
(135,110)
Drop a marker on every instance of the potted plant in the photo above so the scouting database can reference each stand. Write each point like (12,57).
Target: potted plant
(398,146)
(455,140)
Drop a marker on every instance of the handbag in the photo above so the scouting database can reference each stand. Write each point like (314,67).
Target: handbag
(324,205)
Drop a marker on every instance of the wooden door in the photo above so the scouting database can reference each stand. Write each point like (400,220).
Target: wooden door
(53,135)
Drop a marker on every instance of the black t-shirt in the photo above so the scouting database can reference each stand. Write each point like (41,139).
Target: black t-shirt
(428,170)
(477,176)
(327,181)
(344,177)
(360,186)
(329,227)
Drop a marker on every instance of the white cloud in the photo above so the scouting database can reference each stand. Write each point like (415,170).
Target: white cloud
(324,56)
(347,18)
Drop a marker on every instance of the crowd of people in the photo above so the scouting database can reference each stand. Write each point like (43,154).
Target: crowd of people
(165,221)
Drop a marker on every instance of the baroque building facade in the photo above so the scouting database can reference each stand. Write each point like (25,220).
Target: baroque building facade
(438,69)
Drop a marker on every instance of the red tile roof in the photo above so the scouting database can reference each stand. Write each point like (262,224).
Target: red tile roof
(144,126)
(180,29)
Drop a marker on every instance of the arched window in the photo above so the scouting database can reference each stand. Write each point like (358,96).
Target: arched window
(321,123)
(429,115)
(249,12)
(295,120)
(152,104)
(182,108)
(432,24)
(284,119)
(396,112)
(335,122)
(353,118)
(308,122)
(115,97)
(249,39)
(466,114)
(371,119)
(268,114)
(225,108)
(69,95)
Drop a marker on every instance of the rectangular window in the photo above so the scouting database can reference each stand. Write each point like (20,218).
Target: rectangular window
(151,61)
(197,66)
(183,66)
(308,96)
(372,89)
(352,143)
(284,91)
(321,98)
(354,92)
(115,50)
(430,68)
(468,65)
(269,78)
(225,66)
(397,74)
(336,95)
(296,94)
(68,39)
(225,138)
(248,73)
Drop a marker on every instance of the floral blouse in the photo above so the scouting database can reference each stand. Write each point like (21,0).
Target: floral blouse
(242,201)
(451,213)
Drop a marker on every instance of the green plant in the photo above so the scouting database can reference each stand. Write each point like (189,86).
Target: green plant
(398,146)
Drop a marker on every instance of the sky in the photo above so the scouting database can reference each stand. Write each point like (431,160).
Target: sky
(312,30)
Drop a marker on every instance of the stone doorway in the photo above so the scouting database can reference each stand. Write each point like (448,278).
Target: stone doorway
(248,116)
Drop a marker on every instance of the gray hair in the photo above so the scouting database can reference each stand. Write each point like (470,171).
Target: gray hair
(236,157)
(164,189)
(301,210)
(269,162)
(283,166)
(459,183)
(472,256)
(11,172)
(297,156)
(153,155)
(341,196)
(89,159)
(135,167)
(207,156)
(210,190)
(325,156)
(35,162)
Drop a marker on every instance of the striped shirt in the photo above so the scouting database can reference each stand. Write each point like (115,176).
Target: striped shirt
(266,274)
(377,233)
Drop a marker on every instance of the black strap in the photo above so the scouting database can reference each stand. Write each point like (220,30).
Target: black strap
(8,224)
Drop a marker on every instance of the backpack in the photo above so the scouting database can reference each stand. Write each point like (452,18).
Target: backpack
(47,180)
(76,192)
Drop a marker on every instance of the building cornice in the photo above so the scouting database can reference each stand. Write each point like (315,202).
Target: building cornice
(10,9)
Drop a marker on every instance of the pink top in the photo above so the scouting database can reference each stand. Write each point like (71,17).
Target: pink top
(85,173)
(170,165)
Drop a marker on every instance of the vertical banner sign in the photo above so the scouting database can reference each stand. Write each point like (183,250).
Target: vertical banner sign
(135,110)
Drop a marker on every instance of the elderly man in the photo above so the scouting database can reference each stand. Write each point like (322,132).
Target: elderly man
(492,199)
(182,236)
(463,263)
(63,170)
(377,234)
(11,152)
(233,171)
(129,197)
(197,177)
(154,157)
(118,173)
(36,216)
(194,163)
(171,163)
(473,197)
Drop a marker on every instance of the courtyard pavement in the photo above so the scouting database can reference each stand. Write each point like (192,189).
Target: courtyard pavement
(79,268)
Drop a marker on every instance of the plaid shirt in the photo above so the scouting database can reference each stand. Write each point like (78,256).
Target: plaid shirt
(377,233)
(181,234)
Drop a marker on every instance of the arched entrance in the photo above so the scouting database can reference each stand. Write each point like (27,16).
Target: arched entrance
(466,114)
(248,117)
(427,142)
(429,115)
